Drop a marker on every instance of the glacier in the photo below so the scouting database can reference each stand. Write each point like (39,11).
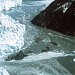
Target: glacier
(3,71)
(11,31)
(8,4)
(11,34)
(74,59)
(20,34)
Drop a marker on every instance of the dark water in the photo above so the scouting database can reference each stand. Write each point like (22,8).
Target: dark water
(68,63)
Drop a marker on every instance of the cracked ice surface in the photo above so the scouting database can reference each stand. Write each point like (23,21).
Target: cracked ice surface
(8,4)
(11,34)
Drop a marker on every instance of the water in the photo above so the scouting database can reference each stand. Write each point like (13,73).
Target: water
(44,46)
(68,63)
(11,35)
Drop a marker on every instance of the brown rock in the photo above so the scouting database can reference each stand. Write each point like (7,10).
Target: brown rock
(58,16)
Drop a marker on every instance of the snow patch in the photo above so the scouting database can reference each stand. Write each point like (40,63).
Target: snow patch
(64,7)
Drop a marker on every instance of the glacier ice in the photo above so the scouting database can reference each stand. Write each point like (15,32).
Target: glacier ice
(42,2)
(8,4)
(11,34)
(47,2)
(41,67)
(3,71)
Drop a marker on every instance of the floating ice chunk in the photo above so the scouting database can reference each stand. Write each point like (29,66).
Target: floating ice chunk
(11,34)
(8,4)
(74,51)
(74,59)
(3,71)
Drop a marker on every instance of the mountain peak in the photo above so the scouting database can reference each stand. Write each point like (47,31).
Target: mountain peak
(58,16)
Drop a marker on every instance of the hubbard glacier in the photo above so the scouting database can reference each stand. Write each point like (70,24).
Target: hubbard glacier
(11,34)
(3,71)
(8,4)
(26,49)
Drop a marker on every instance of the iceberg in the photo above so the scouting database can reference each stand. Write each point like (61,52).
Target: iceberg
(8,4)
(74,59)
(11,34)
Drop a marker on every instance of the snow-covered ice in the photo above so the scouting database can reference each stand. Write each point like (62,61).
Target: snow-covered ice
(3,71)
(8,4)
(11,34)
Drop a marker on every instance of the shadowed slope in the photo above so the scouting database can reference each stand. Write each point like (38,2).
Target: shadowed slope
(58,16)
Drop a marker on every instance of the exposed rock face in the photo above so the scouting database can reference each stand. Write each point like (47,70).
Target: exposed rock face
(58,16)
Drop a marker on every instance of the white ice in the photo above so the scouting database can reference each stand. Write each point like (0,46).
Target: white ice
(11,34)
(42,2)
(8,4)
(3,71)
(74,59)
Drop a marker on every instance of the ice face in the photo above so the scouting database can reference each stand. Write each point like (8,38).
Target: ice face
(8,4)
(11,34)
(47,2)
(3,71)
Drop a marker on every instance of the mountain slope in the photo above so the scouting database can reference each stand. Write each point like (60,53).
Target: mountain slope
(58,16)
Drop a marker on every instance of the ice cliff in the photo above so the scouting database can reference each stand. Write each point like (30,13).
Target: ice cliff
(11,34)
(11,31)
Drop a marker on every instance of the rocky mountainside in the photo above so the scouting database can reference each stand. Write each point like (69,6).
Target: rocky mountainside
(58,16)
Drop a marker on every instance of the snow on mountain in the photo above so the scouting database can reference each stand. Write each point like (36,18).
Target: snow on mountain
(64,7)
